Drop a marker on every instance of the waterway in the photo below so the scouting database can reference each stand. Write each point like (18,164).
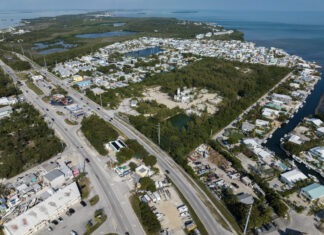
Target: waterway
(144,52)
(44,48)
(180,121)
(299,33)
(105,34)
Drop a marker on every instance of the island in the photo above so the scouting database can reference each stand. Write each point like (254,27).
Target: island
(153,99)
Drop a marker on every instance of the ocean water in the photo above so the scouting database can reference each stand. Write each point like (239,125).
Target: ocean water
(12,18)
(299,33)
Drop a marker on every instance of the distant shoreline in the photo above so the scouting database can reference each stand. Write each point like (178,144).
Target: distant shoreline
(184,12)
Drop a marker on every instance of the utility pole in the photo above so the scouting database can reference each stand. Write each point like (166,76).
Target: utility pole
(247,219)
(159,134)
(100,100)
(22,50)
(45,65)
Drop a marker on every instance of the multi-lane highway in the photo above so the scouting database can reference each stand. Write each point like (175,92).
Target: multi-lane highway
(123,214)
(200,202)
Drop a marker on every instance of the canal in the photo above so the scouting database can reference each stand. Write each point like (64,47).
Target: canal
(307,110)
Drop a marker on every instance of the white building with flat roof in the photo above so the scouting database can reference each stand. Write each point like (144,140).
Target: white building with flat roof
(5,111)
(292,176)
(38,216)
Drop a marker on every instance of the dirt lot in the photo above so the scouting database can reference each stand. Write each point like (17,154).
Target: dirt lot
(171,218)
(208,100)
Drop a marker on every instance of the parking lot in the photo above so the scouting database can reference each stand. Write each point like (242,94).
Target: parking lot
(76,221)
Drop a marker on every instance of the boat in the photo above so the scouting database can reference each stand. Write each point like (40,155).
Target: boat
(297,159)
(313,177)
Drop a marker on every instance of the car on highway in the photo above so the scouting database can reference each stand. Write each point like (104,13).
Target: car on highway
(98,108)
(73,232)
(167,171)
(87,160)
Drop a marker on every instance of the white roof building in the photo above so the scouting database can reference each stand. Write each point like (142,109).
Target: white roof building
(251,143)
(143,171)
(315,121)
(295,139)
(36,218)
(270,113)
(292,176)
(5,111)
(318,152)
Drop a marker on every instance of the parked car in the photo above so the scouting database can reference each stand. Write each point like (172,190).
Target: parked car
(54,222)
(83,203)
(50,228)
(60,218)
(235,185)
(71,210)
(87,160)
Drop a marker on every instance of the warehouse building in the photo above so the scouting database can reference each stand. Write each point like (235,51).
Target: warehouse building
(313,191)
(38,216)
(292,176)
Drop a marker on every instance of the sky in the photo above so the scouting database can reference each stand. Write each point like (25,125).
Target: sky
(276,5)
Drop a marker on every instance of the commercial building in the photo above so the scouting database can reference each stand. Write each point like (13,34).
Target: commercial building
(5,111)
(54,178)
(292,176)
(313,191)
(142,171)
(122,170)
(38,216)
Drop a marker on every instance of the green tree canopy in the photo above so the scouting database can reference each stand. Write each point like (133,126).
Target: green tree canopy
(149,160)
(147,184)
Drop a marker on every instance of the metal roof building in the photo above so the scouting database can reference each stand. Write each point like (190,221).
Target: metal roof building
(313,191)
(292,176)
(37,217)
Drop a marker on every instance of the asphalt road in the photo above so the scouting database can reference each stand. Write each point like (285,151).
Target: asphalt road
(248,109)
(200,202)
(126,219)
